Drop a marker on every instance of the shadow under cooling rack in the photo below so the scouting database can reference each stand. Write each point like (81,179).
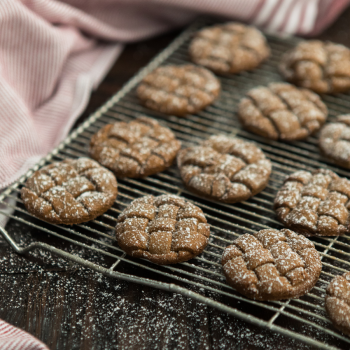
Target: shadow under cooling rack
(93,244)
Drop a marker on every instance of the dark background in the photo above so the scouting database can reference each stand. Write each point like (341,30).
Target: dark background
(68,307)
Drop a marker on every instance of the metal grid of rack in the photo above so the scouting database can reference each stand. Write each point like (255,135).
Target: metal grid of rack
(201,278)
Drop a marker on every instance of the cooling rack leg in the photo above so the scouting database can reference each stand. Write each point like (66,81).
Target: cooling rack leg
(172,288)
(10,241)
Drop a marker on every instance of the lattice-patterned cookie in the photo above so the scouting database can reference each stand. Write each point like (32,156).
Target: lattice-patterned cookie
(70,192)
(136,149)
(225,169)
(165,229)
(337,302)
(323,67)
(229,48)
(282,111)
(314,203)
(272,265)
(179,90)
(334,141)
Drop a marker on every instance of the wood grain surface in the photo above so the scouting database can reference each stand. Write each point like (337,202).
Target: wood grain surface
(69,307)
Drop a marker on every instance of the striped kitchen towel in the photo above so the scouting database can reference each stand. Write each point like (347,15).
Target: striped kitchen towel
(54,53)
(52,56)
(12,338)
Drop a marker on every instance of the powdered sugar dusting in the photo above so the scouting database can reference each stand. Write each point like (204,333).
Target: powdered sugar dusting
(229,48)
(136,149)
(72,191)
(179,90)
(334,141)
(164,229)
(317,206)
(337,302)
(223,168)
(323,67)
(272,265)
(282,111)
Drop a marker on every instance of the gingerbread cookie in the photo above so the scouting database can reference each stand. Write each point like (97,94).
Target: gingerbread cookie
(337,302)
(323,67)
(136,149)
(272,265)
(229,48)
(178,90)
(165,229)
(282,111)
(314,204)
(224,169)
(334,141)
(70,192)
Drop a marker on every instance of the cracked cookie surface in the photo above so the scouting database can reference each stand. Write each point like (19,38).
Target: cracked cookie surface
(272,265)
(229,48)
(224,169)
(165,229)
(178,90)
(282,111)
(70,192)
(337,302)
(334,141)
(314,204)
(323,67)
(139,148)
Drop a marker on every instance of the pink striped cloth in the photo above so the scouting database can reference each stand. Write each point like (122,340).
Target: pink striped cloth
(52,56)
(12,338)
(54,53)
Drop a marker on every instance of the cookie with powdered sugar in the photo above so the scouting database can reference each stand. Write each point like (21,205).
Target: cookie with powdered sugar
(224,168)
(323,67)
(337,302)
(70,192)
(314,204)
(334,141)
(165,229)
(229,48)
(272,265)
(178,90)
(136,149)
(282,111)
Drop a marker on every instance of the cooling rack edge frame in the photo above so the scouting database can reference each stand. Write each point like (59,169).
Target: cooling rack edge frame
(169,287)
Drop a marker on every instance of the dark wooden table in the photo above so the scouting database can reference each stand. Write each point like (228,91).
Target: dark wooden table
(68,307)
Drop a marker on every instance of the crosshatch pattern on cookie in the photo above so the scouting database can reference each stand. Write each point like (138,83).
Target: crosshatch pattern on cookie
(314,203)
(272,265)
(229,48)
(282,111)
(323,67)
(178,90)
(165,229)
(136,149)
(225,169)
(70,192)
(334,141)
(337,302)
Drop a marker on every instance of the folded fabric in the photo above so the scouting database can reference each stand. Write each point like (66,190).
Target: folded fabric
(12,338)
(54,53)
(51,57)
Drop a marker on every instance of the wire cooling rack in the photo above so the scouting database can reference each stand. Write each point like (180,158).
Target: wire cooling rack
(201,278)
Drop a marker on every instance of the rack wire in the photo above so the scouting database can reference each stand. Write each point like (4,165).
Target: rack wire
(201,278)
